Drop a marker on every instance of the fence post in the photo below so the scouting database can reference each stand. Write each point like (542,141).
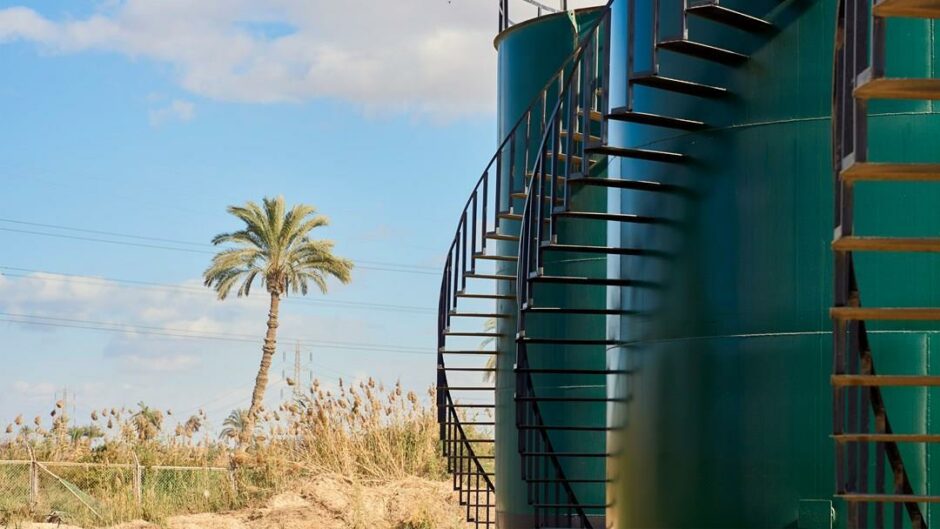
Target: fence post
(33,477)
(138,482)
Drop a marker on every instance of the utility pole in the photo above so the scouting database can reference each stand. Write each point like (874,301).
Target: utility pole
(298,370)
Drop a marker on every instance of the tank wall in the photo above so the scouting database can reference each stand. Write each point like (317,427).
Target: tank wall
(730,411)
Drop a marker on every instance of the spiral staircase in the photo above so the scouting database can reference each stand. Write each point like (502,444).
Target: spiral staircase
(559,149)
(861,424)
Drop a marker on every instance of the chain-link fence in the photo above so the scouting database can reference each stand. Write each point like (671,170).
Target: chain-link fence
(94,494)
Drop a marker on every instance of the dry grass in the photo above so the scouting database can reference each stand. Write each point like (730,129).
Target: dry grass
(366,441)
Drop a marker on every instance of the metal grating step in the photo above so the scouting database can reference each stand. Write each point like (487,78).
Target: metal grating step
(704,51)
(639,154)
(501,236)
(680,86)
(492,277)
(454,313)
(886,244)
(897,172)
(889,498)
(619,183)
(886,438)
(588,281)
(644,118)
(711,10)
(611,250)
(507,297)
(919,89)
(474,334)
(885,380)
(907,8)
(884,313)
(485,257)
(611,217)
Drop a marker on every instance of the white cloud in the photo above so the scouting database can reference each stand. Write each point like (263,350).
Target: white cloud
(178,110)
(427,57)
(37,390)
(161,330)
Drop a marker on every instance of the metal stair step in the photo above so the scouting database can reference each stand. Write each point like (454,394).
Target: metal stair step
(578,136)
(885,88)
(620,183)
(885,313)
(468,369)
(679,85)
(566,341)
(639,154)
(886,438)
(507,297)
(509,216)
(886,244)
(885,380)
(471,333)
(494,277)
(567,454)
(611,250)
(501,236)
(898,172)
(487,257)
(598,281)
(477,314)
(467,352)
(612,217)
(888,498)
(711,10)
(704,51)
(567,310)
(645,118)
(907,8)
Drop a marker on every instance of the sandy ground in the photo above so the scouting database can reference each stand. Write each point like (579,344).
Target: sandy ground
(331,502)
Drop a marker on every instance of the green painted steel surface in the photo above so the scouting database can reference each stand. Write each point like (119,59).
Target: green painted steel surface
(731,409)
(529,54)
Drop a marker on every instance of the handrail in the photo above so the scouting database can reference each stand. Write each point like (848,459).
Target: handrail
(505,22)
(533,233)
(859,55)
(479,220)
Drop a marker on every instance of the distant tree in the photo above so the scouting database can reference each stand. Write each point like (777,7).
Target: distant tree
(235,425)
(274,246)
(147,421)
(90,432)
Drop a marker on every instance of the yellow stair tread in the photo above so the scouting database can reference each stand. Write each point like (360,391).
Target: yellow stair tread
(907,8)
(578,136)
(889,498)
(884,313)
(886,88)
(892,171)
(885,380)
(887,244)
(887,437)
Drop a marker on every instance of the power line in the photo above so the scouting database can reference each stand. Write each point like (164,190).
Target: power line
(149,330)
(200,248)
(148,285)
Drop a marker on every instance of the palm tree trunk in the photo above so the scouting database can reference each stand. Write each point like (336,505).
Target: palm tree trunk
(261,381)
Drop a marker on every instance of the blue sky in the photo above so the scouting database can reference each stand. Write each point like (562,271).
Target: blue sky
(144,119)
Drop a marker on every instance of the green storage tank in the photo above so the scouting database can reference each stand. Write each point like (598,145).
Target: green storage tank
(730,408)
(530,54)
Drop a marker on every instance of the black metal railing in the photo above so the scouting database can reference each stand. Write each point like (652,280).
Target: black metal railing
(512,12)
(860,417)
(576,114)
(489,215)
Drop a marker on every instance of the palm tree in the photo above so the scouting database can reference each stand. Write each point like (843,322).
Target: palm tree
(147,421)
(235,425)
(275,246)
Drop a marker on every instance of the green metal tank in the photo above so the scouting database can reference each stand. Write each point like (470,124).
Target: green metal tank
(530,54)
(729,410)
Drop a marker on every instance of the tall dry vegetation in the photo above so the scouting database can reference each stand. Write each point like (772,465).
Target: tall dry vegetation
(363,432)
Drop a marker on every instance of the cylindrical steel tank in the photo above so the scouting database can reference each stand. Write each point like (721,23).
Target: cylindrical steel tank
(530,53)
(729,415)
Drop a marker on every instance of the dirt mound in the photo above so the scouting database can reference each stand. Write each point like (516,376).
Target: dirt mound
(333,502)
